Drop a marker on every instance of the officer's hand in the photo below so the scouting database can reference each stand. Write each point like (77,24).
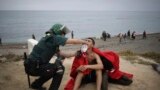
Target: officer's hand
(85,42)
(78,53)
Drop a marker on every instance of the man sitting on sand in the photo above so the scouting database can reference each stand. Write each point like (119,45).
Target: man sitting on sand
(85,72)
(110,62)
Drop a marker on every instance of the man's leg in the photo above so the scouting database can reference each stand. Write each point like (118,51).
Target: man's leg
(104,80)
(37,84)
(45,72)
(78,81)
(98,79)
(92,78)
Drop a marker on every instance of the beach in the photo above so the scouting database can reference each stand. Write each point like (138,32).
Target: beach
(13,76)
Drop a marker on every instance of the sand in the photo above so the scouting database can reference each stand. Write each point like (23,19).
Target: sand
(13,77)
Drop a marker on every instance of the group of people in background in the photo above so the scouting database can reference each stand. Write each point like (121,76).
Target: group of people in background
(105,35)
(123,36)
(130,36)
(133,35)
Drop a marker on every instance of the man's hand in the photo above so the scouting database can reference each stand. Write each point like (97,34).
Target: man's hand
(82,68)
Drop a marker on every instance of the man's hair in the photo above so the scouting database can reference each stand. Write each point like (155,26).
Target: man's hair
(92,40)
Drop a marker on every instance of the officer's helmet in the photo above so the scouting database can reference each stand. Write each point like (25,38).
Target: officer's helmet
(59,29)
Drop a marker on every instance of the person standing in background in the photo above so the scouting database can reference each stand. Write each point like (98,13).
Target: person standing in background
(33,37)
(134,35)
(0,41)
(72,34)
(120,35)
(144,35)
(128,33)
(104,35)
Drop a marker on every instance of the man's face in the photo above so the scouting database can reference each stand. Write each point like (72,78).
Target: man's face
(90,43)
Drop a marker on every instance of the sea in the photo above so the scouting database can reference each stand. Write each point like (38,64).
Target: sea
(18,26)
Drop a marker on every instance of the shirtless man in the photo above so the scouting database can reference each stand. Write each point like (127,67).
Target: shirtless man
(95,67)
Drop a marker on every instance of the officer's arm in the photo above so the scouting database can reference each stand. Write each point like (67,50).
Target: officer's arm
(76,41)
(68,54)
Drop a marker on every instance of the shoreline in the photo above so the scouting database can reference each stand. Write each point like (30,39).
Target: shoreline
(113,36)
(139,45)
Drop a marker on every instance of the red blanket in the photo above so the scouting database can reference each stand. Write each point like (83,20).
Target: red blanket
(109,55)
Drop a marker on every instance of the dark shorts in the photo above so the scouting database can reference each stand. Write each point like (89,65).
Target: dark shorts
(89,78)
(92,78)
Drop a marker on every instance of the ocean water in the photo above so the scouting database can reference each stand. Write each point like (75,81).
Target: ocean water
(18,26)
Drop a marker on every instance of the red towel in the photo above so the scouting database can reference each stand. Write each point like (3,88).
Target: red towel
(109,55)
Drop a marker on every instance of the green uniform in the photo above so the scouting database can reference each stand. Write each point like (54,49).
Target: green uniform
(37,63)
(47,47)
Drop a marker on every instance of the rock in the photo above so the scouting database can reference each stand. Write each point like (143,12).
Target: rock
(3,59)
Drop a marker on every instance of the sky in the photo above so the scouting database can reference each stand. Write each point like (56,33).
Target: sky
(98,5)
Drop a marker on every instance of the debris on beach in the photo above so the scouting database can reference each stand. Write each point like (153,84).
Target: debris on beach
(9,58)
